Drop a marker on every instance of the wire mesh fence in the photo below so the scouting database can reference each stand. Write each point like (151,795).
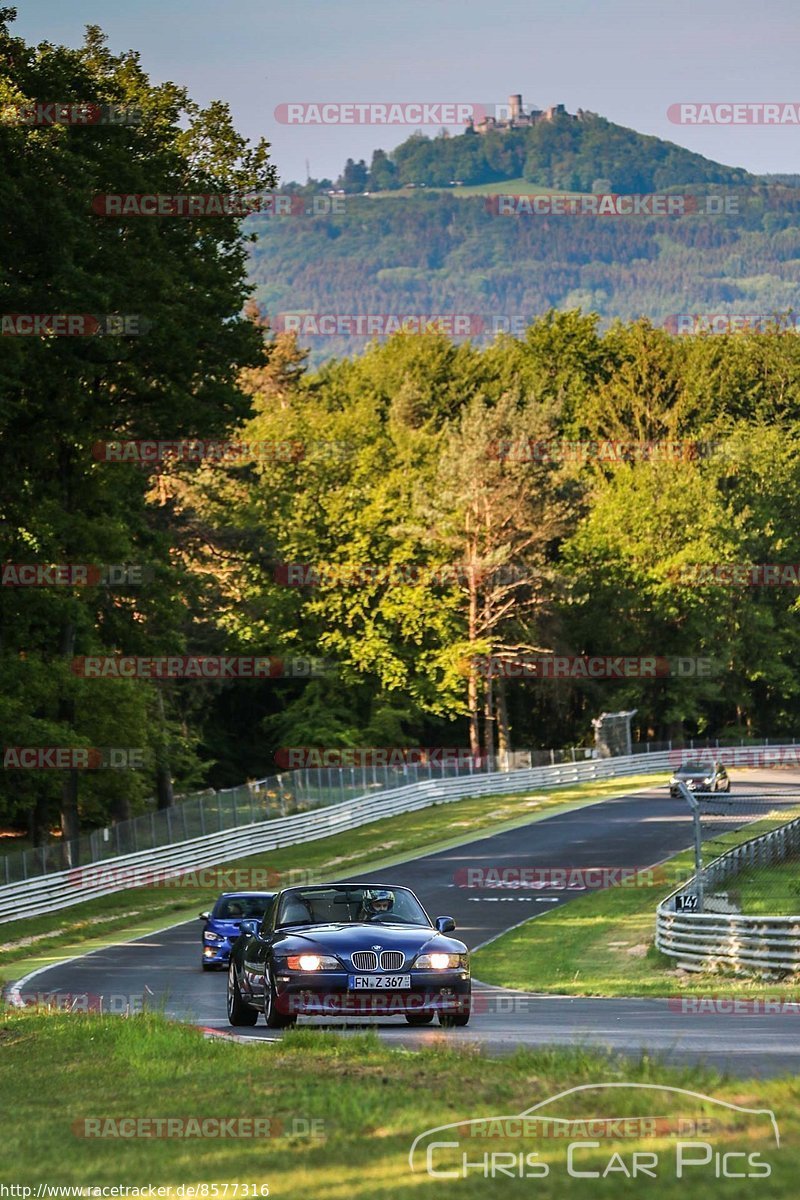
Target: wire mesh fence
(285,794)
(750,853)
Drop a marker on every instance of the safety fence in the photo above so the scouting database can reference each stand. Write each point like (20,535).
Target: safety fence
(699,925)
(289,792)
(60,889)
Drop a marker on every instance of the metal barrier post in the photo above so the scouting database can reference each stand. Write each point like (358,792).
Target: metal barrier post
(694,805)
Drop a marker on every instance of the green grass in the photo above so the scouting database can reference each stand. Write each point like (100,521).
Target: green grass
(37,941)
(602,944)
(766,891)
(344,1112)
(516,187)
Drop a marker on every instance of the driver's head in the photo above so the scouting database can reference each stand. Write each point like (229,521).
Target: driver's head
(379,900)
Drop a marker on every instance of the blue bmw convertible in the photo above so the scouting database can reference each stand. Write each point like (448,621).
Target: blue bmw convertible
(348,950)
(222,925)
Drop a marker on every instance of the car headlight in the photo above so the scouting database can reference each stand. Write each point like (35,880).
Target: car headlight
(213,937)
(312,962)
(440,962)
(708,781)
(674,780)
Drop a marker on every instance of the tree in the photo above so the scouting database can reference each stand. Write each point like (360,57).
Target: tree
(61,396)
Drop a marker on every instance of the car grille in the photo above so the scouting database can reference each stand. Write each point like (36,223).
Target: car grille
(392,960)
(365,960)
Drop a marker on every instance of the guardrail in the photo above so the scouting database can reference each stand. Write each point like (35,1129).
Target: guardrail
(703,941)
(49,893)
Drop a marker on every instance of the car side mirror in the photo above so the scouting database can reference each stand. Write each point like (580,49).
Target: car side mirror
(206,916)
(445,924)
(249,927)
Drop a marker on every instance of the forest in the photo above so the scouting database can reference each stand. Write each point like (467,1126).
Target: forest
(397,530)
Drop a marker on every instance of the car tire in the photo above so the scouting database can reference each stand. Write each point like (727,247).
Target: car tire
(273,1018)
(453,1020)
(239,1013)
(420,1018)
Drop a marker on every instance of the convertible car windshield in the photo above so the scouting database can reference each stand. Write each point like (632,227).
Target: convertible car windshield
(350,905)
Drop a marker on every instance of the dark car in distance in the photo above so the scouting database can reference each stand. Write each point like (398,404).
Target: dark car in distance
(700,775)
(222,925)
(348,950)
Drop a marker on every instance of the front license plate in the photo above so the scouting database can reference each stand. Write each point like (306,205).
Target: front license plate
(379,983)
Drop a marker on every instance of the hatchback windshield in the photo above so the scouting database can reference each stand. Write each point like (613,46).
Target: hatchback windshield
(349,905)
(697,768)
(235,908)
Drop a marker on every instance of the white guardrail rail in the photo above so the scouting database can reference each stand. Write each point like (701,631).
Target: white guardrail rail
(48,893)
(703,941)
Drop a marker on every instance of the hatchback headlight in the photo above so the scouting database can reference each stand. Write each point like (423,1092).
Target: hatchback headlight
(213,937)
(440,962)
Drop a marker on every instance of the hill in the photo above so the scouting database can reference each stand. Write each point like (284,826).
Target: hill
(569,152)
(727,242)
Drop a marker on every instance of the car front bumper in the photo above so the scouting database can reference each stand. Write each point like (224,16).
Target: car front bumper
(447,992)
(216,955)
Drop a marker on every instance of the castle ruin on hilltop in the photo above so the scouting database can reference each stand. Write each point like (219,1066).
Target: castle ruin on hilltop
(518,119)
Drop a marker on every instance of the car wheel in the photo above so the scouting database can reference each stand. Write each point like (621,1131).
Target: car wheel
(421,1018)
(239,1013)
(453,1020)
(273,1018)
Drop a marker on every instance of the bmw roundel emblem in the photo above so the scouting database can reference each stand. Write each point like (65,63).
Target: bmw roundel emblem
(376,947)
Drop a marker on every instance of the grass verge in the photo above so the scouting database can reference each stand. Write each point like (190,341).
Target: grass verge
(766,891)
(344,1111)
(602,944)
(37,941)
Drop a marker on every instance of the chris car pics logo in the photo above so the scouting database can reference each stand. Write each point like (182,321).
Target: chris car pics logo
(623,1131)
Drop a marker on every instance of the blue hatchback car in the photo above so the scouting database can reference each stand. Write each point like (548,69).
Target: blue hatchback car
(222,924)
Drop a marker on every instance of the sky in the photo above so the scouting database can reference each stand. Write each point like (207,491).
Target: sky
(628,60)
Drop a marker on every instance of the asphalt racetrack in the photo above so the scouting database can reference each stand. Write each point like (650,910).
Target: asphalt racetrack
(635,831)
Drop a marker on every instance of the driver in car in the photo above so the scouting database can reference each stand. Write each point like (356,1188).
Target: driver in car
(376,903)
